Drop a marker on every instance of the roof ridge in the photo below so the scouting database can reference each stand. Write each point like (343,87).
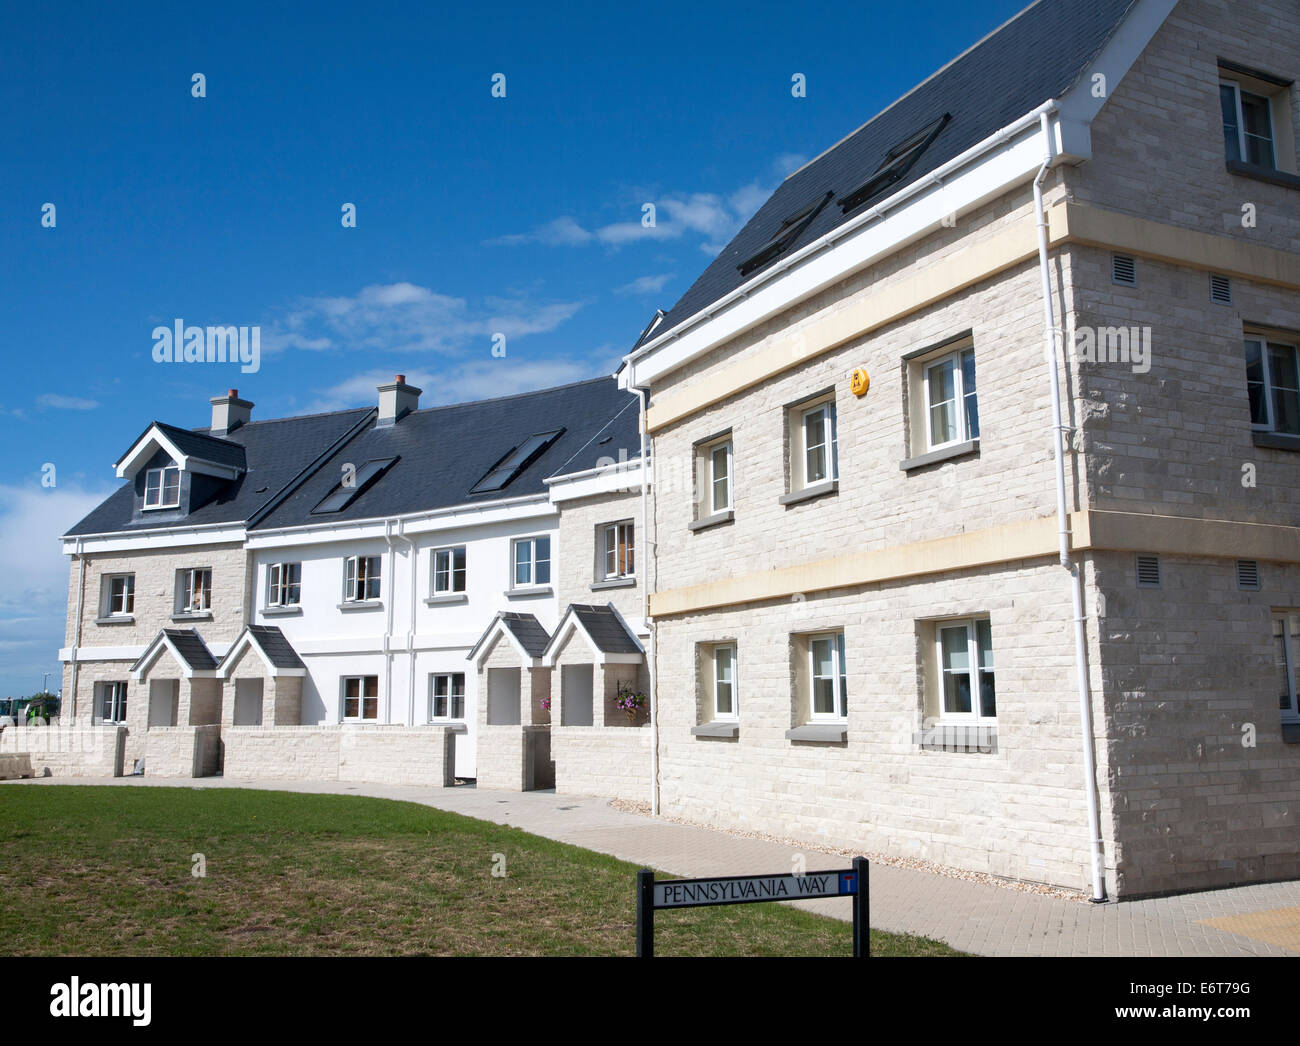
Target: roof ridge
(205,429)
(916,87)
(513,395)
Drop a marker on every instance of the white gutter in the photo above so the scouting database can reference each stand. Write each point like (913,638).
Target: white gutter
(1063,521)
(599,470)
(645,599)
(933,179)
(409,517)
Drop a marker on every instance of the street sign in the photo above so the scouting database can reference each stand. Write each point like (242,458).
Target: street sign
(654,896)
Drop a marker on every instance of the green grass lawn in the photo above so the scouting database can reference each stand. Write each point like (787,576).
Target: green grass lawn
(108,871)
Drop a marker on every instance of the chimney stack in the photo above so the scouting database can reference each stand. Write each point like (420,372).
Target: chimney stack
(396,401)
(229,412)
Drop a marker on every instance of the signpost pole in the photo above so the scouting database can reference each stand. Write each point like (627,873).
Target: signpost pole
(861,911)
(645,914)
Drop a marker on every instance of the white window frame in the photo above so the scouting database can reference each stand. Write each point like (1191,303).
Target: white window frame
(356,579)
(830,446)
(714,679)
(128,595)
(185,590)
(450,696)
(280,578)
(1241,122)
(449,551)
(1289,647)
(959,397)
(162,487)
(839,683)
(1264,342)
(112,694)
(974,668)
(361,699)
(533,561)
(627,568)
(711,454)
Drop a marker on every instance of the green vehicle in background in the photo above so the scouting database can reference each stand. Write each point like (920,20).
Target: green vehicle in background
(22,711)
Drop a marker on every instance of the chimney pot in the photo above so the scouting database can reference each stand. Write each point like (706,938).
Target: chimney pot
(396,401)
(229,412)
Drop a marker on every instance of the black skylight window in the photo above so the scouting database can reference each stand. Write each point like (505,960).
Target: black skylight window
(786,235)
(897,162)
(341,496)
(515,462)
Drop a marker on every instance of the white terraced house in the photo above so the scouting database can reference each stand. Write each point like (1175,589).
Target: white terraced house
(974,530)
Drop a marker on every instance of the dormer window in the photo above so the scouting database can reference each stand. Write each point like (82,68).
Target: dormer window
(162,487)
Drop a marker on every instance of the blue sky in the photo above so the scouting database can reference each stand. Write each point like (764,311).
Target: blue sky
(475,215)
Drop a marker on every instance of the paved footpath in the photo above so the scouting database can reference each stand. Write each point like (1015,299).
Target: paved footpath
(970,916)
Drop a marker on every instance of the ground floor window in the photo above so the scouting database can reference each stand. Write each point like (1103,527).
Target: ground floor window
(447,695)
(1286,649)
(112,702)
(965,659)
(360,698)
(724,683)
(829,679)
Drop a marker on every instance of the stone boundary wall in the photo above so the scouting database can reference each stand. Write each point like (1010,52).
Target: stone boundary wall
(71,750)
(183,751)
(610,761)
(403,755)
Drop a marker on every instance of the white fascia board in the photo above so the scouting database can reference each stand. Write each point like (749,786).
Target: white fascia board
(155,439)
(144,448)
(463,641)
(167,537)
(340,645)
(458,516)
(1080,105)
(88,654)
(622,477)
(1002,169)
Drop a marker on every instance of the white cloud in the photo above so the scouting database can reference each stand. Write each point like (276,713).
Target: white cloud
(34,601)
(645,284)
(405,317)
(716,217)
(53,399)
(466,380)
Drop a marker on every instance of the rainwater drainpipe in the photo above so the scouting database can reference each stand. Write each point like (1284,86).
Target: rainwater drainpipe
(1063,518)
(645,595)
(76,634)
(410,628)
(388,615)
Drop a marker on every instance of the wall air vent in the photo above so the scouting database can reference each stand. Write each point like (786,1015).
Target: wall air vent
(1220,289)
(1123,270)
(1248,574)
(1148,571)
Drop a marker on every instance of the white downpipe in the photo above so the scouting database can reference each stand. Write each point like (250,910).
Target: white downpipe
(1063,519)
(645,597)
(76,634)
(388,616)
(410,627)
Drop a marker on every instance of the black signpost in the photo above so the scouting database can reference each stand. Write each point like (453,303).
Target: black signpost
(652,896)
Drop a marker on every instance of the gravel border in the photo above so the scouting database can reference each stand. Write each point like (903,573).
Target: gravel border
(637,806)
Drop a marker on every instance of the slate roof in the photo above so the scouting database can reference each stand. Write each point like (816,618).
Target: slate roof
(1038,55)
(444,451)
(605,627)
(189,646)
(201,445)
(274,453)
(278,650)
(524,627)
